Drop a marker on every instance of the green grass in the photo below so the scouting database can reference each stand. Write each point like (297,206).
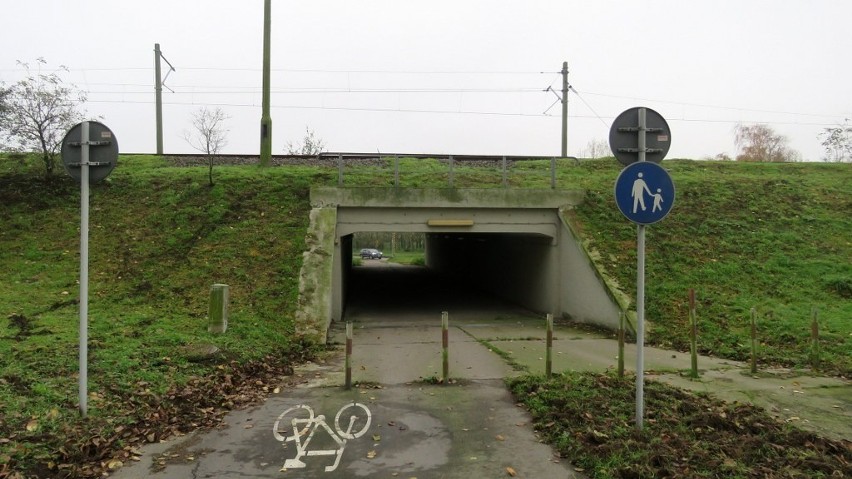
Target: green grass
(774,237)
(408,257)
(159,238)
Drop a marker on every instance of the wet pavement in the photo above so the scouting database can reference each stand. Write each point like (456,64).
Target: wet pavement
(398,423)
(395,423)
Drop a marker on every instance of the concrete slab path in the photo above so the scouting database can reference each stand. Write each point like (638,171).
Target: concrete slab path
(469,429)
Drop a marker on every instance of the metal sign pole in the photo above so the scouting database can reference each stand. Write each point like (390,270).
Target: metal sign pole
(84,266)
(640,295)
(641,178)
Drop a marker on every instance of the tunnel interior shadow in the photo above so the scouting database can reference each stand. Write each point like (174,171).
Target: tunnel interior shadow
(387,292)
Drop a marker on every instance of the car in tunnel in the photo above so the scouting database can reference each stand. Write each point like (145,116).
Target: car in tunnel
(371,253)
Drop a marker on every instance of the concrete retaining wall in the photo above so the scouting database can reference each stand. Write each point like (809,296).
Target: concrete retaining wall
(518,245)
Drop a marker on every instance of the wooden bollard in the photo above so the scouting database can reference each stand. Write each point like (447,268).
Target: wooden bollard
(815,350)
(753,341)
(548,359)
(348,380)
(445,343)
(693,334)
(622,319)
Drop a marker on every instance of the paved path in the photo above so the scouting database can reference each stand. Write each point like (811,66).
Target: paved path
(469,429)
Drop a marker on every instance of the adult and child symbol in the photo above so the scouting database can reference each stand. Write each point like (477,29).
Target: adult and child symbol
(644,192)
(638,194)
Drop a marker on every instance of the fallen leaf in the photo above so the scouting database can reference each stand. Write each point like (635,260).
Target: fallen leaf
(32,426)
(500,437)
(377,437)
(511,472)
(276,390)
(371,454)
(114,464)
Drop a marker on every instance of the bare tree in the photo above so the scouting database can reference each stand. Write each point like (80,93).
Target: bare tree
(208,134)
(722,157)
(40,109)
(310,145)
(597,148)
(761,143)
(837,142)
(4,107)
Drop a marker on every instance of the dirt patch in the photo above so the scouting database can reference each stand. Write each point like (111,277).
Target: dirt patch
(589,420)
(94,446)
(23,324)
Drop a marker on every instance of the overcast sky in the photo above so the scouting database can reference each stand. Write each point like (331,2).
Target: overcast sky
(459,76)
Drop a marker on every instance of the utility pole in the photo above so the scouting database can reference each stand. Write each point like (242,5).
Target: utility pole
(266,118)
(564,109)
(158,90)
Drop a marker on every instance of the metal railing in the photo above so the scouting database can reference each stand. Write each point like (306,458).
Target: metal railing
(450,171)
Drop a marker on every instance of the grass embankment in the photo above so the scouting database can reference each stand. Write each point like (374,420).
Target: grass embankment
(159,238)
(775,237)
(588,418)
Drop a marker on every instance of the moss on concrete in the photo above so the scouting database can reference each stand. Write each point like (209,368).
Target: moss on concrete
(316,276)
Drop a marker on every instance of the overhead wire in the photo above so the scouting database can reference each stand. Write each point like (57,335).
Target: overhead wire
(192,89)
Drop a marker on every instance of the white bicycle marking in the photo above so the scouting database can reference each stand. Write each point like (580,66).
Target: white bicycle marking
(301,426)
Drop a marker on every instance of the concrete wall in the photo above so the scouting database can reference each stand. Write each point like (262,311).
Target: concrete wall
(518,245)
(587,295)
(317,277)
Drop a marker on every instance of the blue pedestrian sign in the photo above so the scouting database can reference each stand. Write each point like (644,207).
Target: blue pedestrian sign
(644,192)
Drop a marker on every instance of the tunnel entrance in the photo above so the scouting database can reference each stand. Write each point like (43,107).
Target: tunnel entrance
(511,250)
(451,272)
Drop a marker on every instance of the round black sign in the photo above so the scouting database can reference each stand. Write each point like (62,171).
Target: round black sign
(624,136)
(103,151)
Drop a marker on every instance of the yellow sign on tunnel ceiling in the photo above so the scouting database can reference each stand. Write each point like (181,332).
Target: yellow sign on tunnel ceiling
(448,222)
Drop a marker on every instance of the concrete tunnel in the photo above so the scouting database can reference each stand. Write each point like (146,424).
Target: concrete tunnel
(512,244)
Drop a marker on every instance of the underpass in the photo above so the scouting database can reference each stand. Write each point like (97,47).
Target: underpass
(513,245)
